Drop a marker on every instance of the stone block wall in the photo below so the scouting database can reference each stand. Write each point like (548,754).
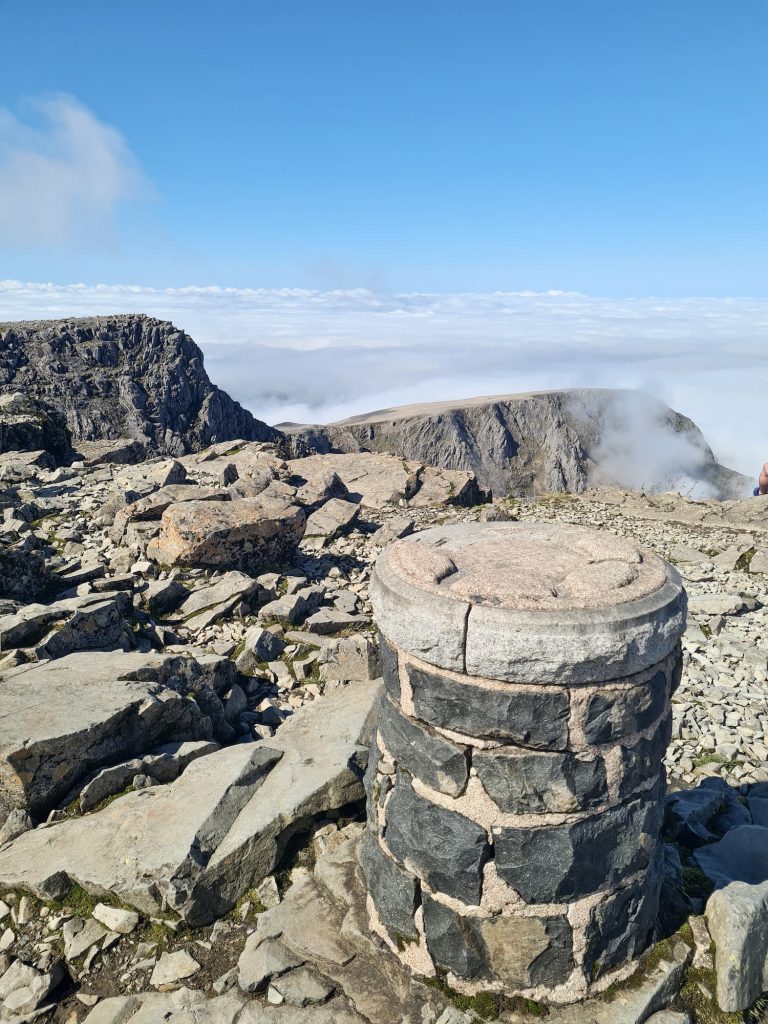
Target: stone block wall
(514,813)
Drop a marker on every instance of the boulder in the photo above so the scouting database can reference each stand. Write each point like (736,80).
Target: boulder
(332,519)
(151,506)
(379,481)
(737,918)
(197,844)
(206,604)
(246,534)
(62,719)
(23,574)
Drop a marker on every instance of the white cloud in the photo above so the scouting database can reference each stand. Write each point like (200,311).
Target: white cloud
(62,177)
(294,354)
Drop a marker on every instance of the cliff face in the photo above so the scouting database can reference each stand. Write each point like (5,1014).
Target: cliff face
(124,376)
(542,442)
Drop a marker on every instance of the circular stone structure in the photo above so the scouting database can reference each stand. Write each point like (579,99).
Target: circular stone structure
(515,785)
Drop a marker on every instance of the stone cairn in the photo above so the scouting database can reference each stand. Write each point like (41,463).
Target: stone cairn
(515,785)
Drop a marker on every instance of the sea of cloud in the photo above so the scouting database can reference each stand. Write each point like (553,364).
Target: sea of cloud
(317,356)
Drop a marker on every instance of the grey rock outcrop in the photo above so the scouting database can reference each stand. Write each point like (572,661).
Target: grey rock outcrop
(532,443)
(127,376)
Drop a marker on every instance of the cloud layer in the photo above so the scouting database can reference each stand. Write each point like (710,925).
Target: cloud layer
(62,174)
(312,356)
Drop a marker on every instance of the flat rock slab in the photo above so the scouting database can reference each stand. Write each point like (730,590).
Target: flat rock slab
(60,720)
(143,847)
(219,829)
(740,856)
(528,602)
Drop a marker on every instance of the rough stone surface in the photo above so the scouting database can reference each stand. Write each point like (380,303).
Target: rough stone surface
(737,918)
(445,848)
(394,891)
(64,718)
(534,717)
(128,376)
(520,952)
(532,783)
(563,862)
(247,534)
(427,755)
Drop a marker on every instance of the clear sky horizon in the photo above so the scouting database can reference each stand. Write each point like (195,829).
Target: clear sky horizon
(356,204)
(430,145)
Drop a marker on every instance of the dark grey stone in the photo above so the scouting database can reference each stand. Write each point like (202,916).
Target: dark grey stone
(622,926)
(431,758)
(614,714)
(531,718)
(689,812)
(394,891)
(518,951)
(390,668)
(523,783)
(564,862)
(447,849)
(454,941)
(643,761)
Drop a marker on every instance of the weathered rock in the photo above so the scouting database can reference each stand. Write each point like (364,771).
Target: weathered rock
(395,891)
(521,952)
(209,603)
(198,843)
(377,481)
(149,846)
(535,718)
(532,783)
(303,987)
(172,968)
(445,848)
(116,919)
(150,385)
(740,856)
(332,519)
(715,604)
(248,534)
(24,575)
(443,765)
(23,987)
(261,960)
(67,717)
(394,529)
(349,658)
(27,425)
(164,596)
(565,862)
(737,918)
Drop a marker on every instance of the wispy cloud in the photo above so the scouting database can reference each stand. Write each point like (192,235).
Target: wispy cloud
(62,174)
(295,354)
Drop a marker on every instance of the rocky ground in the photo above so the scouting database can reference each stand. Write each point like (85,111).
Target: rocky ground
(188,674)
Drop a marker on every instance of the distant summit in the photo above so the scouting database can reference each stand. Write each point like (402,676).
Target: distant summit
(537,442)
(127,376)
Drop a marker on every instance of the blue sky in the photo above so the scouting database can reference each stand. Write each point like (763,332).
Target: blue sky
(351,204)
(613,148)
